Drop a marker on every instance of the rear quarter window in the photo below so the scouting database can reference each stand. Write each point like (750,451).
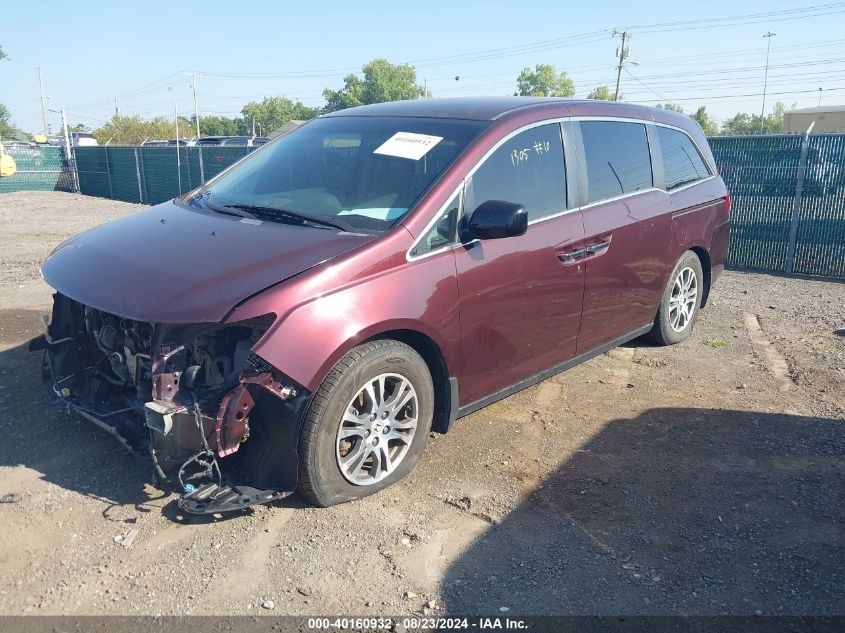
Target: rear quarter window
(617,158)
(682,163)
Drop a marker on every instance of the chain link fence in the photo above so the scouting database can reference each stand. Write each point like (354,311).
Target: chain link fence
(39,168)
(150,174)
(788,191)
(788,201)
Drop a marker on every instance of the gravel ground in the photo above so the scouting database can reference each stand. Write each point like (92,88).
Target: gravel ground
(704,478)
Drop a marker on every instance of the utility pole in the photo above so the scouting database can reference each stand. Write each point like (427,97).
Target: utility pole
(623,55)
(768,37)
(820,97)
(116,107)
(43,103)
(196,108)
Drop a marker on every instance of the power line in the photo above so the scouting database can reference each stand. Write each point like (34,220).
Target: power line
(662,98)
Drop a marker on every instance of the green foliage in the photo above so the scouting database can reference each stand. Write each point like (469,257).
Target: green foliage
(602,93)
(744,123)
(715,343)
(219,126)
(7,128)
(133,130)
(708,125)
(2,54)
(274,112)
(544,81)
(671,107)
(382,81)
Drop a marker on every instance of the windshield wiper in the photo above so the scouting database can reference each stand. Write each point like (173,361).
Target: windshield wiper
(222,208)
(321,221)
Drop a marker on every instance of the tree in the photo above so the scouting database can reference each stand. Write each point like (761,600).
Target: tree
(7,128)
(2,54)
(671,107)
(273,112)
(133,130)
(743,123)
(382,81)
(708,125)
(543,81)
(219,126)
(602,93)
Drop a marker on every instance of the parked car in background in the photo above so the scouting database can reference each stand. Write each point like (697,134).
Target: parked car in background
(232,141)
(182,142)
(8,166)
(22,148)
(83,139)
(308,317)
(823,172)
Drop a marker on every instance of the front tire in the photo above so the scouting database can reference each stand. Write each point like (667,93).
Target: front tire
(680,302)
(367,424)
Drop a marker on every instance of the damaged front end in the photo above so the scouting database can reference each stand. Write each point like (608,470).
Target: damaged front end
(213,417)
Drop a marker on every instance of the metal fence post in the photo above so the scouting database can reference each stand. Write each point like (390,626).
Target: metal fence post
(138,176)
(108,173)
(796,203)
(144,179)
(188,162)
(202,168)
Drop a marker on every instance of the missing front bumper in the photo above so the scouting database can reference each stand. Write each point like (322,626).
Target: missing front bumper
(213,499)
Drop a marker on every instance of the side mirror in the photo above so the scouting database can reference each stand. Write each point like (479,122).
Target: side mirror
(495,219)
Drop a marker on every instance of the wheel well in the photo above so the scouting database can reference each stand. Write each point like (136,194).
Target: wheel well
(430,352)
(704,258)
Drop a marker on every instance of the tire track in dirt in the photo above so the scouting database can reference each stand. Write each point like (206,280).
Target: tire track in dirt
(240,580)
(767,352)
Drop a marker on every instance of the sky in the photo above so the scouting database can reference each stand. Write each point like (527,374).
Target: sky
(142,54)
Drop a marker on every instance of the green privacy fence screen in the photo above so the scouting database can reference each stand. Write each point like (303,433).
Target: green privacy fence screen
(39,168)
(150,174)
(788,191)
(788,201)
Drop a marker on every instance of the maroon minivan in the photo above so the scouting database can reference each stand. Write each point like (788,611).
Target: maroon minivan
(305,319)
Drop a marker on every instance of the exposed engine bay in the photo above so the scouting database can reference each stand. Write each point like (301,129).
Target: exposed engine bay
(215,420)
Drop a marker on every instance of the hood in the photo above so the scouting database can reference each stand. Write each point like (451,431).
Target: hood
(171,264)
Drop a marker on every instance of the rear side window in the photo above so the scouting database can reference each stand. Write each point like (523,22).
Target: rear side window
(617,157)
(527,169)
(681,161)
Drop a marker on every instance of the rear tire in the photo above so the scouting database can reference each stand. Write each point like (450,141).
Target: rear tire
(358,437)
(680,302)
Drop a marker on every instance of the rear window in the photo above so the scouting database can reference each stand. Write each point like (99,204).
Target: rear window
(682,163)
(617,157)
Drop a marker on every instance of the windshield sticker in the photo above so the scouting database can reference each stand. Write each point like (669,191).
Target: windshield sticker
(408,145)
(376,213)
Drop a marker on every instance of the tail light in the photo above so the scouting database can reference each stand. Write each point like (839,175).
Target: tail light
(728,203)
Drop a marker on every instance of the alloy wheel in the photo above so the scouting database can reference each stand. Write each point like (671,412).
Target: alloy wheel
(377,429)
(683,301)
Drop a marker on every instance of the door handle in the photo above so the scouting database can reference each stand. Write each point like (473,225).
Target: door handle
(571,256)
(592,249)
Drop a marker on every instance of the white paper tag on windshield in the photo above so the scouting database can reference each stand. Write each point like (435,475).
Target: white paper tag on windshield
(408,145)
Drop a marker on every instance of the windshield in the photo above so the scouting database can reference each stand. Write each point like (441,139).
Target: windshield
(364,171)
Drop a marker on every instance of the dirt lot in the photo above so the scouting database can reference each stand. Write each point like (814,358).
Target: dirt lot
(704,478)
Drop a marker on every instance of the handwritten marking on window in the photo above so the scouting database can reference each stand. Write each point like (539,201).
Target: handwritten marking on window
(520,156)
(541,147)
